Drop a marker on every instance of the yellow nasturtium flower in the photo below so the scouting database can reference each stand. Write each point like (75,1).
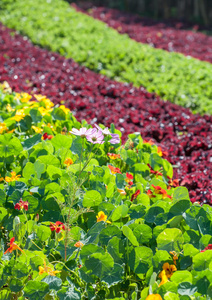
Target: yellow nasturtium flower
(102,217)
(14,177)
(169,269)
(154,297)
(47,270)
(164,278)
(25,97)
(37,129)
(3,128)
(19,115)
(65,109)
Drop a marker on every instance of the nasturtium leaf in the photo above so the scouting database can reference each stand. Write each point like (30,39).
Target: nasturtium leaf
(29,170)
(167,169)
(205,225)
(89,249)
(192,237)
(52,188)
(204,241)
(3,213)
(91,198)
(65,251)
(94,232)
(53,281)
(131,157)
(39,168)
(9,145)
(54,172)
(202,280)
(58,114)
(70,293)
(191,216)
(19,231)
(77,146)
(202,260)
(49,160)
(171,239)
(43,232)
(171,296)
(119,212)
(179,208)
(116,249)
(36,261)
(140,259)
(35,115)
(20,270)
(143,233)
(181,193)
(16,285)
(114,276)
(129,234)
(51,203)
(2,197)
(110,189)
(181,276)
(36,290)
(31,142)
(187,288)
(120,181)
(61,141)
(108,233)
(156,161)
(141,169)
(137,211)
(99,264)
(167,287)
(152,213)
(189,250)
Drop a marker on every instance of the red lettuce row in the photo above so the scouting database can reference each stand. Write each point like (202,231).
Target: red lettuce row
(157,34)
(187,138)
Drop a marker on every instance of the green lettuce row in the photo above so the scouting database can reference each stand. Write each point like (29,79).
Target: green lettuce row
(58,27)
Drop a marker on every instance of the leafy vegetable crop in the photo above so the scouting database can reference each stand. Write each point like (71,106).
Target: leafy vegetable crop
(186,138)
(89,218)
(182,80)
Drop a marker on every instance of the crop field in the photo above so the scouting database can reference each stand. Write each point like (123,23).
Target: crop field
(105,155)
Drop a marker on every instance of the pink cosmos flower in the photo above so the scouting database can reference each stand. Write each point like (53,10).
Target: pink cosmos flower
(83,132)
(105,131)
(96,137)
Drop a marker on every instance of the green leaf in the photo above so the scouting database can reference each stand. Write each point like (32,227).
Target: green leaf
(202,260)
(179,208)
(129,234)
(108,233)
(43,232)
(116,249)
(94,232)
(202,280)
(29,170)
(187,288)
(70,293)
(140,259)
(137,211)
(3,213)
(205,225)
(2,197)
(35,115)
(89,249)
(5,295)
(49,160)
(91,198)
(16,285)
(140,168)
(120,181)
(119,212)
(171,296)
(143,233)
(58,114)
(152,213)
(99,264)
(114,276)
(76,147)
(171,239)
(160,257)
(53,282)
(36,290)
(20,270)
(182,276)
(61,141)
(31,142)
(54,172)
(181,193)
(9,145)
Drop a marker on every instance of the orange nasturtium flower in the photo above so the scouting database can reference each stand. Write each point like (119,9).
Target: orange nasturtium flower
(102,217)
(113,156)
(13,246)
(175,256)
(150,142)
(47,270)
(162,153)
(169,269)
(160,191)
(122,192)
(154,297)
(68,161)
(114,170)
(78,244)
(164,278)
(14,177)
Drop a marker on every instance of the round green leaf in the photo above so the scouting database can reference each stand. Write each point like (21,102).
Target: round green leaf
(140,259)
(36,290)
(99,264)
(53,282)
(119,212)
(171,239)
(181,276)
(91,198)
(143,233)
(129,234)
(202,260)
(114,276)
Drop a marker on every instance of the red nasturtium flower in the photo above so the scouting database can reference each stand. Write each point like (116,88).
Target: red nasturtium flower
(47,136)
(162,153)
(157,173)
(135,195)
(22,205)
(150,194)
(129,178)
(13,246)
(58,226)
(160,191)
(113,156)
(114,170)
(209,247)
(150,142)
(174,182)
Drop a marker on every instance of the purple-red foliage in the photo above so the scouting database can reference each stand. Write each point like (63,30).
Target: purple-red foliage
(186,137)
(163,35)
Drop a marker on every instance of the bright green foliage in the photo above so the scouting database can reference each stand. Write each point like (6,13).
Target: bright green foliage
(58,27)
(109,243)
